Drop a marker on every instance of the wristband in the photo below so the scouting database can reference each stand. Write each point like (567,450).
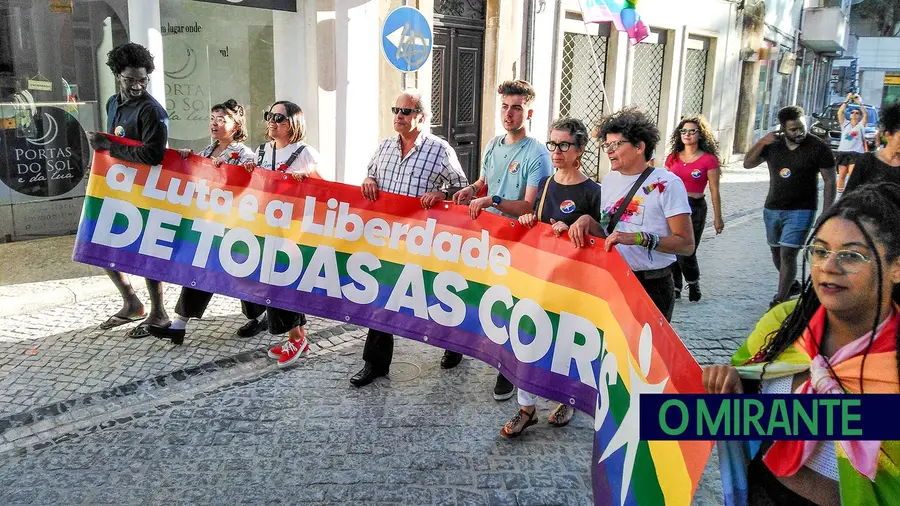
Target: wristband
(638,238)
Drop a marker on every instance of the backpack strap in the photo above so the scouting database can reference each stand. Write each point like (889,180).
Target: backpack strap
(627,200)
(261,153)
(291,159)
(543,196)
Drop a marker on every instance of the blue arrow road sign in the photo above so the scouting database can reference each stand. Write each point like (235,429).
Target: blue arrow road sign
(406,39)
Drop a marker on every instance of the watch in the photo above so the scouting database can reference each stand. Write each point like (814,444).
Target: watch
(495,201)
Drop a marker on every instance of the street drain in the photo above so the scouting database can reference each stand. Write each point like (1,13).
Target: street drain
(404,371)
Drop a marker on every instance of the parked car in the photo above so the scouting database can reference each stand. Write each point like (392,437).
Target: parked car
(826,126)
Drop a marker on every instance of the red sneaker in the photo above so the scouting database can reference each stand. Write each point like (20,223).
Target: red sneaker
(292,350)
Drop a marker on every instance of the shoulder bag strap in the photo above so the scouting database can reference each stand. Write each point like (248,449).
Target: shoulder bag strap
(543,196)
(260,154)
(291,159)
(627,200)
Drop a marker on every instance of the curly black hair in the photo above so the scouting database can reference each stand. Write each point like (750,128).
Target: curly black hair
(890,118)
(877,205)
(707,142)
(790,113)
(632,124)
(232,108)
(129,55)
(576,129)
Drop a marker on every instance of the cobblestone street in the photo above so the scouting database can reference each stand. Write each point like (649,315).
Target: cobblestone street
(91,417)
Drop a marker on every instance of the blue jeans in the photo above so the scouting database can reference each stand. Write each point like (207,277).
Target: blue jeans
(788,228)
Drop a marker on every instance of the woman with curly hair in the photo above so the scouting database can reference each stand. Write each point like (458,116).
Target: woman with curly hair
(134,114)
(694,158)
(839,337)
(884,164)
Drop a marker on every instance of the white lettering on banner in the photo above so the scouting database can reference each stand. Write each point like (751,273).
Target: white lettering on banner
(267,273)
(475,252)
(155,232)
(457,312)
(183,199)
(411,279)
(543,334)
(150,190)
(567,350)
(278,214)
(220,201)
(232,266)
(248,206)
(369,291)
(209,230)
(322,272)
(494,294)
(128,174)
(203,196)
(103,229)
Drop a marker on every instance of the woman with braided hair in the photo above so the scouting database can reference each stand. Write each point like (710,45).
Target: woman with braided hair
(840,336)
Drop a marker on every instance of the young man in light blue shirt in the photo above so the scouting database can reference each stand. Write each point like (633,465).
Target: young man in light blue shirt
(511,168)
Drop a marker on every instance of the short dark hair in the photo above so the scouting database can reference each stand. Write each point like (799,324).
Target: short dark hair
(790,113)
(576,129)
(632,124)
(129,55)
(232,108)
(518,87)
(890,118)
(296,119)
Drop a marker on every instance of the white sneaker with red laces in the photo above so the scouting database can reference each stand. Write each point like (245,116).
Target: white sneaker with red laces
(292,350)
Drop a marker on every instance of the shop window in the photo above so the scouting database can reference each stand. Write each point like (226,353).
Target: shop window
(53,84)
(212,53)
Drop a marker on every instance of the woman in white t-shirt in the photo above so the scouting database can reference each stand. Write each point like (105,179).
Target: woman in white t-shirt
(285,150)
(853,137)
(655,224)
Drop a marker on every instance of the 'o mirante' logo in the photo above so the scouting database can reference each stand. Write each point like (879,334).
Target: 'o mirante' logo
(785,173)
(696,173)
(514,167)
(119,131)
(567,206)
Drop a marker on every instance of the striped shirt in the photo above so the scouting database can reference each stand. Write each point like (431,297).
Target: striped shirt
(430,166)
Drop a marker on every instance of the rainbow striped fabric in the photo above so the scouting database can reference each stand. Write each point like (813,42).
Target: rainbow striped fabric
(572,325)
(621,13)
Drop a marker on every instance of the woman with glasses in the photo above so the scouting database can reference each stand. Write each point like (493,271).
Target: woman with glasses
(853,138)
(134,114)
(227,130)
(839,337)
(884,164)
(562,199)
(694,158)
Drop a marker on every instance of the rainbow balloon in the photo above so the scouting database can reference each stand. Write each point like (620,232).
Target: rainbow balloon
(573,325)
(621,13)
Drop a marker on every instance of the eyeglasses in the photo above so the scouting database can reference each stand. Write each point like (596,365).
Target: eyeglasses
(688,131)
(404,110)
(130,81)
(218,120)
(563,146)
(846,261)
(855,112)
(609,147)
(274,117)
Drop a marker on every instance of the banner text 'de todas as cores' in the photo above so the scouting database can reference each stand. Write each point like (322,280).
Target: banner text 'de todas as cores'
(572,325)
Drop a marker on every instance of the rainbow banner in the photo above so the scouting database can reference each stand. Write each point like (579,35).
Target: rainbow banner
(572,325)
(621,13)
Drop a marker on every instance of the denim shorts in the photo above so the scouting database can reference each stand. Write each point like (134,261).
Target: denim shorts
(788,228)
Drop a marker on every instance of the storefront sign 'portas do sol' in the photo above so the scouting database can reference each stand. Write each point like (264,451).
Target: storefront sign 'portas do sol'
(278,5)
(45,157)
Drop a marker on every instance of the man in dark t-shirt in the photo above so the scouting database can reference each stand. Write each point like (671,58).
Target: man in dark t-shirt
(795,160)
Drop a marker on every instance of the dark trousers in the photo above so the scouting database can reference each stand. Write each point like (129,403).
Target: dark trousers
(661,288)
(192,303)
(379,349)
(687,267)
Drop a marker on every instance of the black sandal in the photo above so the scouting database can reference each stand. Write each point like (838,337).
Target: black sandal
(561,416)
(509,430)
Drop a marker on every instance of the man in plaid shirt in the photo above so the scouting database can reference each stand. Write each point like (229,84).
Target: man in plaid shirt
(412,163)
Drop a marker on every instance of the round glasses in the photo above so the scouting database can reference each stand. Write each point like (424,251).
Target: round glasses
(609,147)
(563,146)
(847,261)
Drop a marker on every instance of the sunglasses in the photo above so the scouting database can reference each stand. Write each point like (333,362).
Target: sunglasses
(404,110)
(274,117)
(847,261)
(131,81)
(688,131)
(855,112)
(611,146)
(563,146)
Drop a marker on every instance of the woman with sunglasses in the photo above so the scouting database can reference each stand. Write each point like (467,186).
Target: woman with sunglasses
(285,152)
(839,337)
(695,159)
(228,132)
(884,164)
(562,200)
(853,139)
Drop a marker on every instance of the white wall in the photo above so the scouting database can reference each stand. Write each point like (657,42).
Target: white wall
(879,53)
(143,28)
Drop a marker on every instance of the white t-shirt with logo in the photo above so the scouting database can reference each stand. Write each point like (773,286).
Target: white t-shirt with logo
(661,196)
(852,137)
(307,160)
